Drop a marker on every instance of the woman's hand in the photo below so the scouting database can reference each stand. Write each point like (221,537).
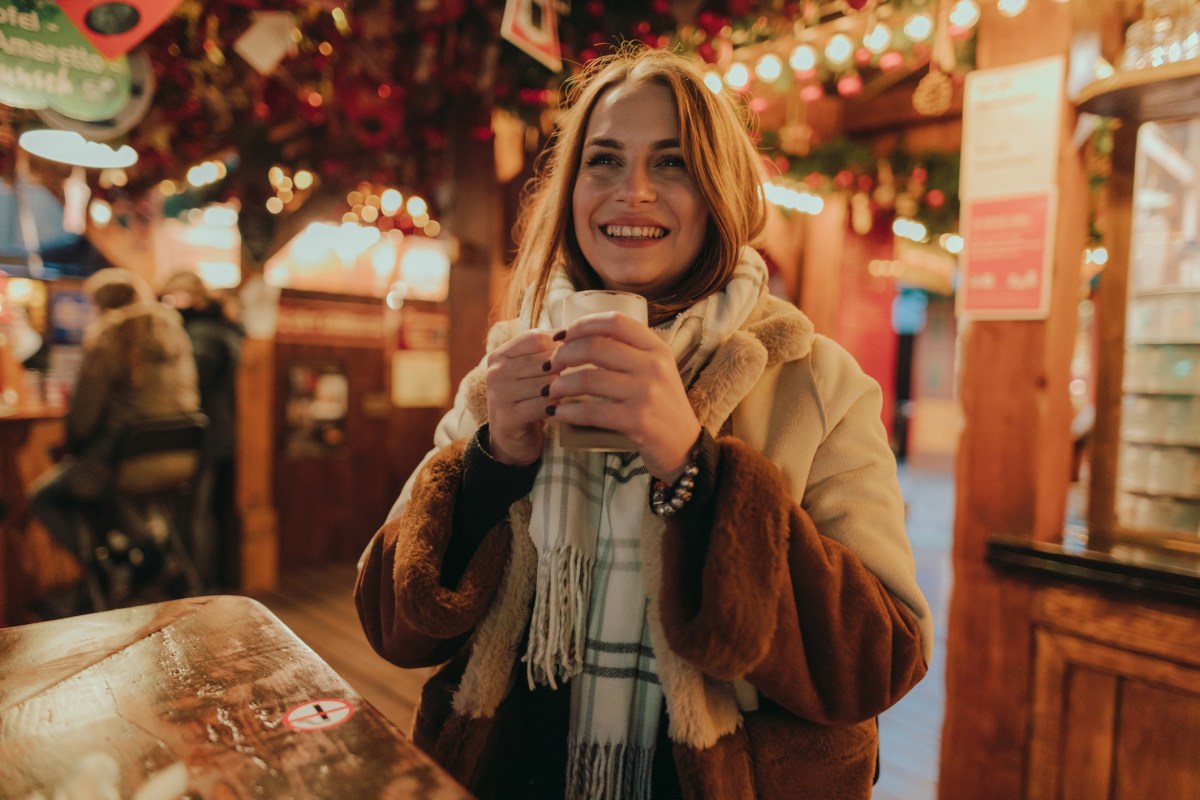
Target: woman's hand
(517,380)
(635,373)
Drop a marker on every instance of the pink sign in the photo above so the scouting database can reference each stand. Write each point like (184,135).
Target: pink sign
(1007,256)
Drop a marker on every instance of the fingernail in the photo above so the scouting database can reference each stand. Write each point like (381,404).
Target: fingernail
(546,390)
(550,410)
(546,367)
(560,335)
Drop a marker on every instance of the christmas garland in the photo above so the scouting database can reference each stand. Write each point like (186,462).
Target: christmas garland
(921,186)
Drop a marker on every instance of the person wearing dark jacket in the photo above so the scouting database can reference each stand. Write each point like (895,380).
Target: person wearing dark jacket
(217,347)
(137,365)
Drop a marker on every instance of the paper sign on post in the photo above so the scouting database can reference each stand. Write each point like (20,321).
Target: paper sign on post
(1008,253)
(1012,121)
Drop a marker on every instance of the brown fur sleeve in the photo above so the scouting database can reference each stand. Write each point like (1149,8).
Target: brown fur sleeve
(408,616)
(793,612)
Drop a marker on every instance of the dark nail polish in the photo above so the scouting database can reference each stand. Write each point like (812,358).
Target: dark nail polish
(550,410)
(546,390)
(546,367)
(559,336)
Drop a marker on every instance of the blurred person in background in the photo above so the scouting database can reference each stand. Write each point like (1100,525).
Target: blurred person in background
(137,365)
(217,346)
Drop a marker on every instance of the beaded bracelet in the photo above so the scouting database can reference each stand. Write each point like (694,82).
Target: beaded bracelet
(680,491)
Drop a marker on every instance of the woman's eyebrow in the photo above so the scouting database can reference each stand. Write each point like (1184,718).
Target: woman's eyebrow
(615,144)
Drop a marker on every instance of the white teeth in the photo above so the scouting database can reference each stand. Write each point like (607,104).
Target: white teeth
(635,232)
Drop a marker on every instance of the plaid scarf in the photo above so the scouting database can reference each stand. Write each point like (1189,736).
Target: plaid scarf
(590,520)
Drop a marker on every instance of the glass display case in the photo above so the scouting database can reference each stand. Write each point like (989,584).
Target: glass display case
(1158,463)
(1146,461)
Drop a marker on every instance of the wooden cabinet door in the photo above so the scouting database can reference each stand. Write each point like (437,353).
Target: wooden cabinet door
(1109,721)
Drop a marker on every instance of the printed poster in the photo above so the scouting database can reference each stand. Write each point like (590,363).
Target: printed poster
(1007,256)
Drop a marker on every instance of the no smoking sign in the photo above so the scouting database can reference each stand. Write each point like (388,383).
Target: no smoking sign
(318,715)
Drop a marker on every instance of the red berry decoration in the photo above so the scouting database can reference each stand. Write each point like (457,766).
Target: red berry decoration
(850,85)
(858,5)
(936,198)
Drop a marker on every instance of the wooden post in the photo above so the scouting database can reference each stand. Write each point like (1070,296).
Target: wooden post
(1013,464)
(474,219)
(821,272)
(259,540)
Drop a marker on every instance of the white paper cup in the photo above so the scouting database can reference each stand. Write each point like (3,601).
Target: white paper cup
(575,307)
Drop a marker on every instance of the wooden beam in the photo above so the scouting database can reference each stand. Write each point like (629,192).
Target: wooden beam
(893,110)
(1013,464)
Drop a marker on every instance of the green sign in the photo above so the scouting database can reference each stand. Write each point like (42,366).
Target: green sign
(45,62)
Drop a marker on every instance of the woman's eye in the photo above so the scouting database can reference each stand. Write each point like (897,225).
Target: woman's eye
(600,160)
(673,161)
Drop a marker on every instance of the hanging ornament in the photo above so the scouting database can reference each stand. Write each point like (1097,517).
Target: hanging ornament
(935,92)
(795,135)
(267,41)
(795,138)
(862,218)
(885,193)
(850,84)
(374,121)
(906,205)
(857,5)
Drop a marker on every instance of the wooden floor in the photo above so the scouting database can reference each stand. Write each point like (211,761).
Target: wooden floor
(317,605)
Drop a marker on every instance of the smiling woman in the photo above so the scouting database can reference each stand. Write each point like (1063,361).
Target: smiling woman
(639,218)
(731,601)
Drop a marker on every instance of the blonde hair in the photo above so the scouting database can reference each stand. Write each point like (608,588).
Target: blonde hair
(722,160)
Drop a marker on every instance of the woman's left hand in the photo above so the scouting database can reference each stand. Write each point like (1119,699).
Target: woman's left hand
(635,373)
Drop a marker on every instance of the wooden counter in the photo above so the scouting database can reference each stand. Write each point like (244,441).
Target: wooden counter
(209,697)
(1115,694)
(27,434)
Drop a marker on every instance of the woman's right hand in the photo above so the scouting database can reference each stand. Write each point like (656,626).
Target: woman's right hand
(517,377)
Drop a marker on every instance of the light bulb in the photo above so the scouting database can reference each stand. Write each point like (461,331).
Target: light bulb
(769,67)
(1011,8)
(804,58)
(919,27)
(964,15)
(839,49)
(737,76)
(878,39)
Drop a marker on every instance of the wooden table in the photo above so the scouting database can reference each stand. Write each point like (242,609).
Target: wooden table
(208,697)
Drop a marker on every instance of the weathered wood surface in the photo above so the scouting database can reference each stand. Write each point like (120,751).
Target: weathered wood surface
(189,697)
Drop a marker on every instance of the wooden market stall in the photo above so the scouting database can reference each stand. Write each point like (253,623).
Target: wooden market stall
(1071,667)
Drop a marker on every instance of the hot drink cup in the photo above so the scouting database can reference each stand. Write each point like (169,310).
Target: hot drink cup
(575,307)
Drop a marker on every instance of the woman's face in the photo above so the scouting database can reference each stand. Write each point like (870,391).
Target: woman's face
(639,218)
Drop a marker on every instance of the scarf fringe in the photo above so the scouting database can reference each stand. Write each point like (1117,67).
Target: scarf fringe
(609,771)
(559,623)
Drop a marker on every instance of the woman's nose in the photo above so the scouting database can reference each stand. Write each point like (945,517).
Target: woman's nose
(638,185)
